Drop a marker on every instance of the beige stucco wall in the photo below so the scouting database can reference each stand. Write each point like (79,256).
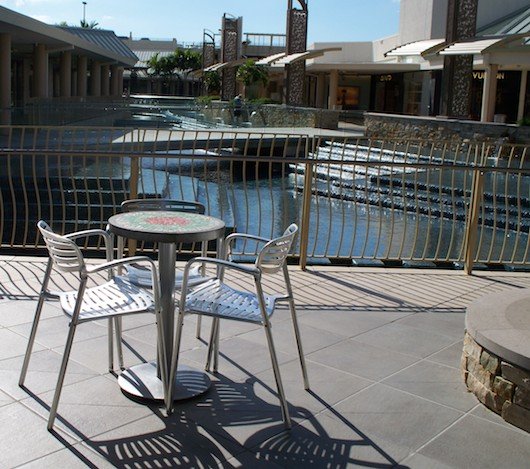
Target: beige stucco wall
(426,19)
(352,52)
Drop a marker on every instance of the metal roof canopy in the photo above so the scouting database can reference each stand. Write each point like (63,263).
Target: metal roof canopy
(308,54)
(483,45)
(421,48)
(26,31)
(270,59)
(219,66)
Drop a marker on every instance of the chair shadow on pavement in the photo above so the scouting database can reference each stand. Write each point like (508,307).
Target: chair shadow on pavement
(230,426)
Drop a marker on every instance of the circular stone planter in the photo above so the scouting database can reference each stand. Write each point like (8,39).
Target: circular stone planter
(496,354)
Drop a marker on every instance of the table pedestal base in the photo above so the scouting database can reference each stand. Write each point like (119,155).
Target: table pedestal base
(141,381)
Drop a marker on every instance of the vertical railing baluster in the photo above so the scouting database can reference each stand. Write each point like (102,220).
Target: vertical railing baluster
(471,228)
(306,207)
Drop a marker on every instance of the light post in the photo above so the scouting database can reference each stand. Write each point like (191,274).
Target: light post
(84,12)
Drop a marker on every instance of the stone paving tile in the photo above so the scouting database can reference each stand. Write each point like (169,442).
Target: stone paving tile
(24,437)
(238,353)
(312,338)
(5,399)
(90,408)
(348,323)
(13,313)
(449,322)
(392,418)
(158,441)
(323,443)
(72,457)
(449,356)
(93,353)
(470,443)
(405,339)
(328,386)
(438,383)
(13,344)
(359,326)
(52,332)
(362,360)
(42,374)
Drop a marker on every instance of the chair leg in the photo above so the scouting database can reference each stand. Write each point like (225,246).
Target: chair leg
(277,377)
(174,363)
(211,343)
(213,347)
(299,343)
(35,324)
(110,340)
(216,350)
(31,340)
(198,331)
(62,372)
(204,253)
(119,345)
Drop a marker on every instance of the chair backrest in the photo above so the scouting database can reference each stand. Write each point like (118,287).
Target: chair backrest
(273,255)
(64,252)
(135,205)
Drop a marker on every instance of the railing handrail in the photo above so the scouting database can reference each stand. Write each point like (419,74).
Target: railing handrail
(383,164)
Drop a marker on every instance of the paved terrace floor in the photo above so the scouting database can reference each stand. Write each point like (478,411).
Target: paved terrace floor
(383,349)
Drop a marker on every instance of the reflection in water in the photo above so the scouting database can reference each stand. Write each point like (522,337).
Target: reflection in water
(346,228)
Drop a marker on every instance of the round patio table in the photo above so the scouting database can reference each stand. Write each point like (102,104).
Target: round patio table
(167,229)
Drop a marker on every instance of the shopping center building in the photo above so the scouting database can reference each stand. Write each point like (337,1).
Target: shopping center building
(402,73)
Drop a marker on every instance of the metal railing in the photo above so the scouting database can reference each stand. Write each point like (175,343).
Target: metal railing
(355,199)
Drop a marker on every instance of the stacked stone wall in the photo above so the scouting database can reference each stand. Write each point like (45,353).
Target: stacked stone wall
(499,385)
(429,128)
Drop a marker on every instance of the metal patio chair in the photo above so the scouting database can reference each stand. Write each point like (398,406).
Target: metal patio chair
(108,296)
(141,276)
(217,299)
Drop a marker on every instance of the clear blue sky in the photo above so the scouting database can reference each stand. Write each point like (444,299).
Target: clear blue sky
(329,20)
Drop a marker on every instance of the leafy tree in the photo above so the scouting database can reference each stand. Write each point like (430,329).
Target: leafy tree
(212,82)
(250,73)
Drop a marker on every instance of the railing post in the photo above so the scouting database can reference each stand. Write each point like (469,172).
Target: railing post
(306,208)
(472,220)
(133,194)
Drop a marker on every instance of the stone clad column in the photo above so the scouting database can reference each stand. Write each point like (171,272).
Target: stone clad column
(230,51)
(458,69)
(105,80)
(82,63)
(66,75)
(40,71)
(296,42)
(95,78)
(5,79)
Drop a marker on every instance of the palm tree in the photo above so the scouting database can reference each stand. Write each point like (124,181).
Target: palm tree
(186,61)
(87,25)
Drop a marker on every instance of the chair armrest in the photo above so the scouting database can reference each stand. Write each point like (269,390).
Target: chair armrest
(120,262)
(129,260)
(245,236)
(246,269)
(87,233)
(107,238)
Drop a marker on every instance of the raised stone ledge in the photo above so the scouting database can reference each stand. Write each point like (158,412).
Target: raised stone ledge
(496,354)
(379,125)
